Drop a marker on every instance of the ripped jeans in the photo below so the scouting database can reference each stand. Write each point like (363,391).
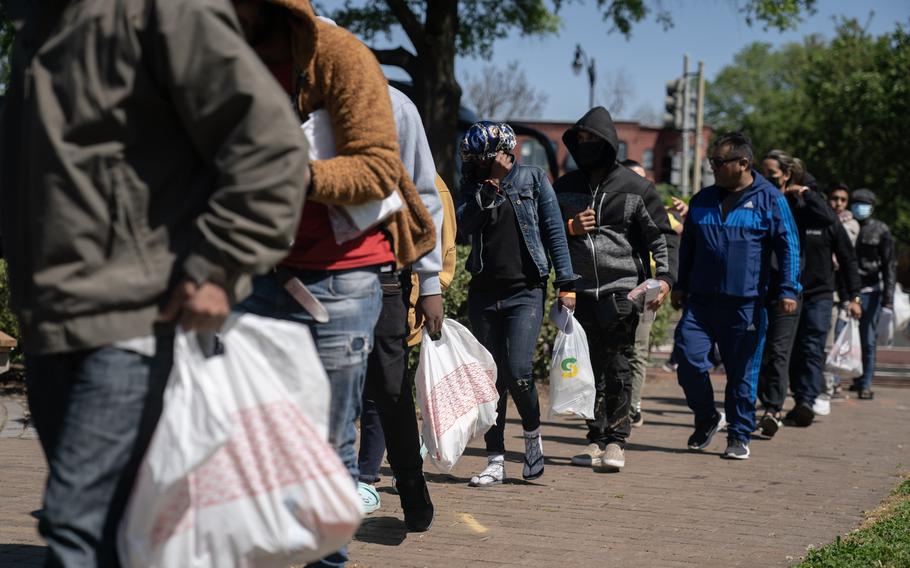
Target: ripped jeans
(508,325)
(353,299)
(610,324)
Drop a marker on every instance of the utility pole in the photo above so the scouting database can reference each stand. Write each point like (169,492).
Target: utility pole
(699,125)
(584,62)
(684,186)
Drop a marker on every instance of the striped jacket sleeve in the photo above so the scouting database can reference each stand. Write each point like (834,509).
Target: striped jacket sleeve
(785,240)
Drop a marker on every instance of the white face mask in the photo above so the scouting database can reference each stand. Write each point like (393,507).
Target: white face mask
(861,211)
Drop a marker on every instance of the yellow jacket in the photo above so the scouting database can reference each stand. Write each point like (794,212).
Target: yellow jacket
(448,260)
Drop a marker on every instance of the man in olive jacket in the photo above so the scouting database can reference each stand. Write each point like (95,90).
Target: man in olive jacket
(150,165)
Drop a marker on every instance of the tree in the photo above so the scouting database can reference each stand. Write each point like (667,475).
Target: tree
(504,93)
(440,30)
(6,43)
(648,116)
(618,91)
(843,106)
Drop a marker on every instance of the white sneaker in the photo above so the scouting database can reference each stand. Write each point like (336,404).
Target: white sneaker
(493,474)
(369,497)
(533,467)
(822,405)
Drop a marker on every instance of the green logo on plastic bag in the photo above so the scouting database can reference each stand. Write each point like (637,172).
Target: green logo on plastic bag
(569,368)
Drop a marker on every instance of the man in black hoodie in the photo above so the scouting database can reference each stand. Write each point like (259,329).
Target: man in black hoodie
(615,220)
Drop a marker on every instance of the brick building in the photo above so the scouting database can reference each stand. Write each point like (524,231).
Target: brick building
(652,147)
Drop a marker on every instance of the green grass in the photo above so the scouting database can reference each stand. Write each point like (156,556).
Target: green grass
(882,541)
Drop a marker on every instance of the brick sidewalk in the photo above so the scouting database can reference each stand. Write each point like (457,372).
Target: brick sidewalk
(669,507)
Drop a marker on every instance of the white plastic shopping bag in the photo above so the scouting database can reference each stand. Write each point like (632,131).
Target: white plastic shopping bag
(846,356)
(884,333)
(239,472)
(348,221)
(456,392)
(901,309)
(572,390)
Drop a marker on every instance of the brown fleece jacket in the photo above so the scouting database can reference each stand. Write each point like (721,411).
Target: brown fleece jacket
(344,77)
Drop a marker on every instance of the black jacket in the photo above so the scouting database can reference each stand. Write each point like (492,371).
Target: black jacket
(811,213)
(818,276)
(876,258)
(632,223)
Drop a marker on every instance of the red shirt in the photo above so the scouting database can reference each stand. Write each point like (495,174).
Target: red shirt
(314,246)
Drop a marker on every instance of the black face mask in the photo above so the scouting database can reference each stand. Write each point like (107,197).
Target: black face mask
(475,171)
(775,181)
(590,154)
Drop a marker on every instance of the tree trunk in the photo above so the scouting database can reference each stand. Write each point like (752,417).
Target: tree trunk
(437,96)
(436,91)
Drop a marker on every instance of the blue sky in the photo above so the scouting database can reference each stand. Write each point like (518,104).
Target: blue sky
(710,30)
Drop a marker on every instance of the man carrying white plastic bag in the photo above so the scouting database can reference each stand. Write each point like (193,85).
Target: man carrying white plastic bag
(456,392)
(572,385)
(239,472)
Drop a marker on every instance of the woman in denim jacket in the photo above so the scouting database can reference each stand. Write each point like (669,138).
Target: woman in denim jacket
(510,214)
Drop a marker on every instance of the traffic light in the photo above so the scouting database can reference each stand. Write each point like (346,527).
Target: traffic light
(674,104)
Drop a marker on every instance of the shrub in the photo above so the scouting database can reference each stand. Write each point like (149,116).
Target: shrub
(9,324)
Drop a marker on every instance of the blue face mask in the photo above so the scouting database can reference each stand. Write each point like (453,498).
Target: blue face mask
(861,211)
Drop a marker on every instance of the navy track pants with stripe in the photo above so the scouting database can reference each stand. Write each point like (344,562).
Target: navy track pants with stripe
(738,327)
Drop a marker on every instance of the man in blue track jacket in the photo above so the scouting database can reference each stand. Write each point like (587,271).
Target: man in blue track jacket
(724,269)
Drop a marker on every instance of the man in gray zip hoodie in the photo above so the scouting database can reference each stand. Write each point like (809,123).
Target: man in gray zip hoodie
(150,165)
(615,221)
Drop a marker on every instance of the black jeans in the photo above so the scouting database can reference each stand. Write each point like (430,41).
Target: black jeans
(774,378)
(808,360)
(508,325)
(388,388)
(610,324)
(95,412)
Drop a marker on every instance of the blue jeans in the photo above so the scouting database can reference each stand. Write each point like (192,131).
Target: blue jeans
(738,326)
(808,359)
(508,325)
(95,412)
(868,328)
(353,299)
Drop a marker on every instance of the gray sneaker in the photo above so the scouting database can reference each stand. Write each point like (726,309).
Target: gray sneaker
(736,450)
(589,457)
(493,474)
(613,460)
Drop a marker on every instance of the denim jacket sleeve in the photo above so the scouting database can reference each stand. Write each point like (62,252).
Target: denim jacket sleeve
(474,212)
(553,233)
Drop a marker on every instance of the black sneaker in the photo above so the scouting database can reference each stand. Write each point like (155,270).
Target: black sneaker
(866,394)
(802,415)
(636,419)
(700,439)
(770,423)
(736,450)
(855,388)
(415,502)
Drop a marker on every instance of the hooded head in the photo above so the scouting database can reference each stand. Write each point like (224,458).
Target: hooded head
(259,19)
(593,142)
(862,202)
(481,143)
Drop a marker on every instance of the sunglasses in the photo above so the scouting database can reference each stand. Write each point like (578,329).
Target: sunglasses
(717,161)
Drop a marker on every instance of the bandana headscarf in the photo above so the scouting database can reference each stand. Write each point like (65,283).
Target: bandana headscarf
(484,139)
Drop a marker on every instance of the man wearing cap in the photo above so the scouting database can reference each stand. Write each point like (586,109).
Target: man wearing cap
(877,273)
